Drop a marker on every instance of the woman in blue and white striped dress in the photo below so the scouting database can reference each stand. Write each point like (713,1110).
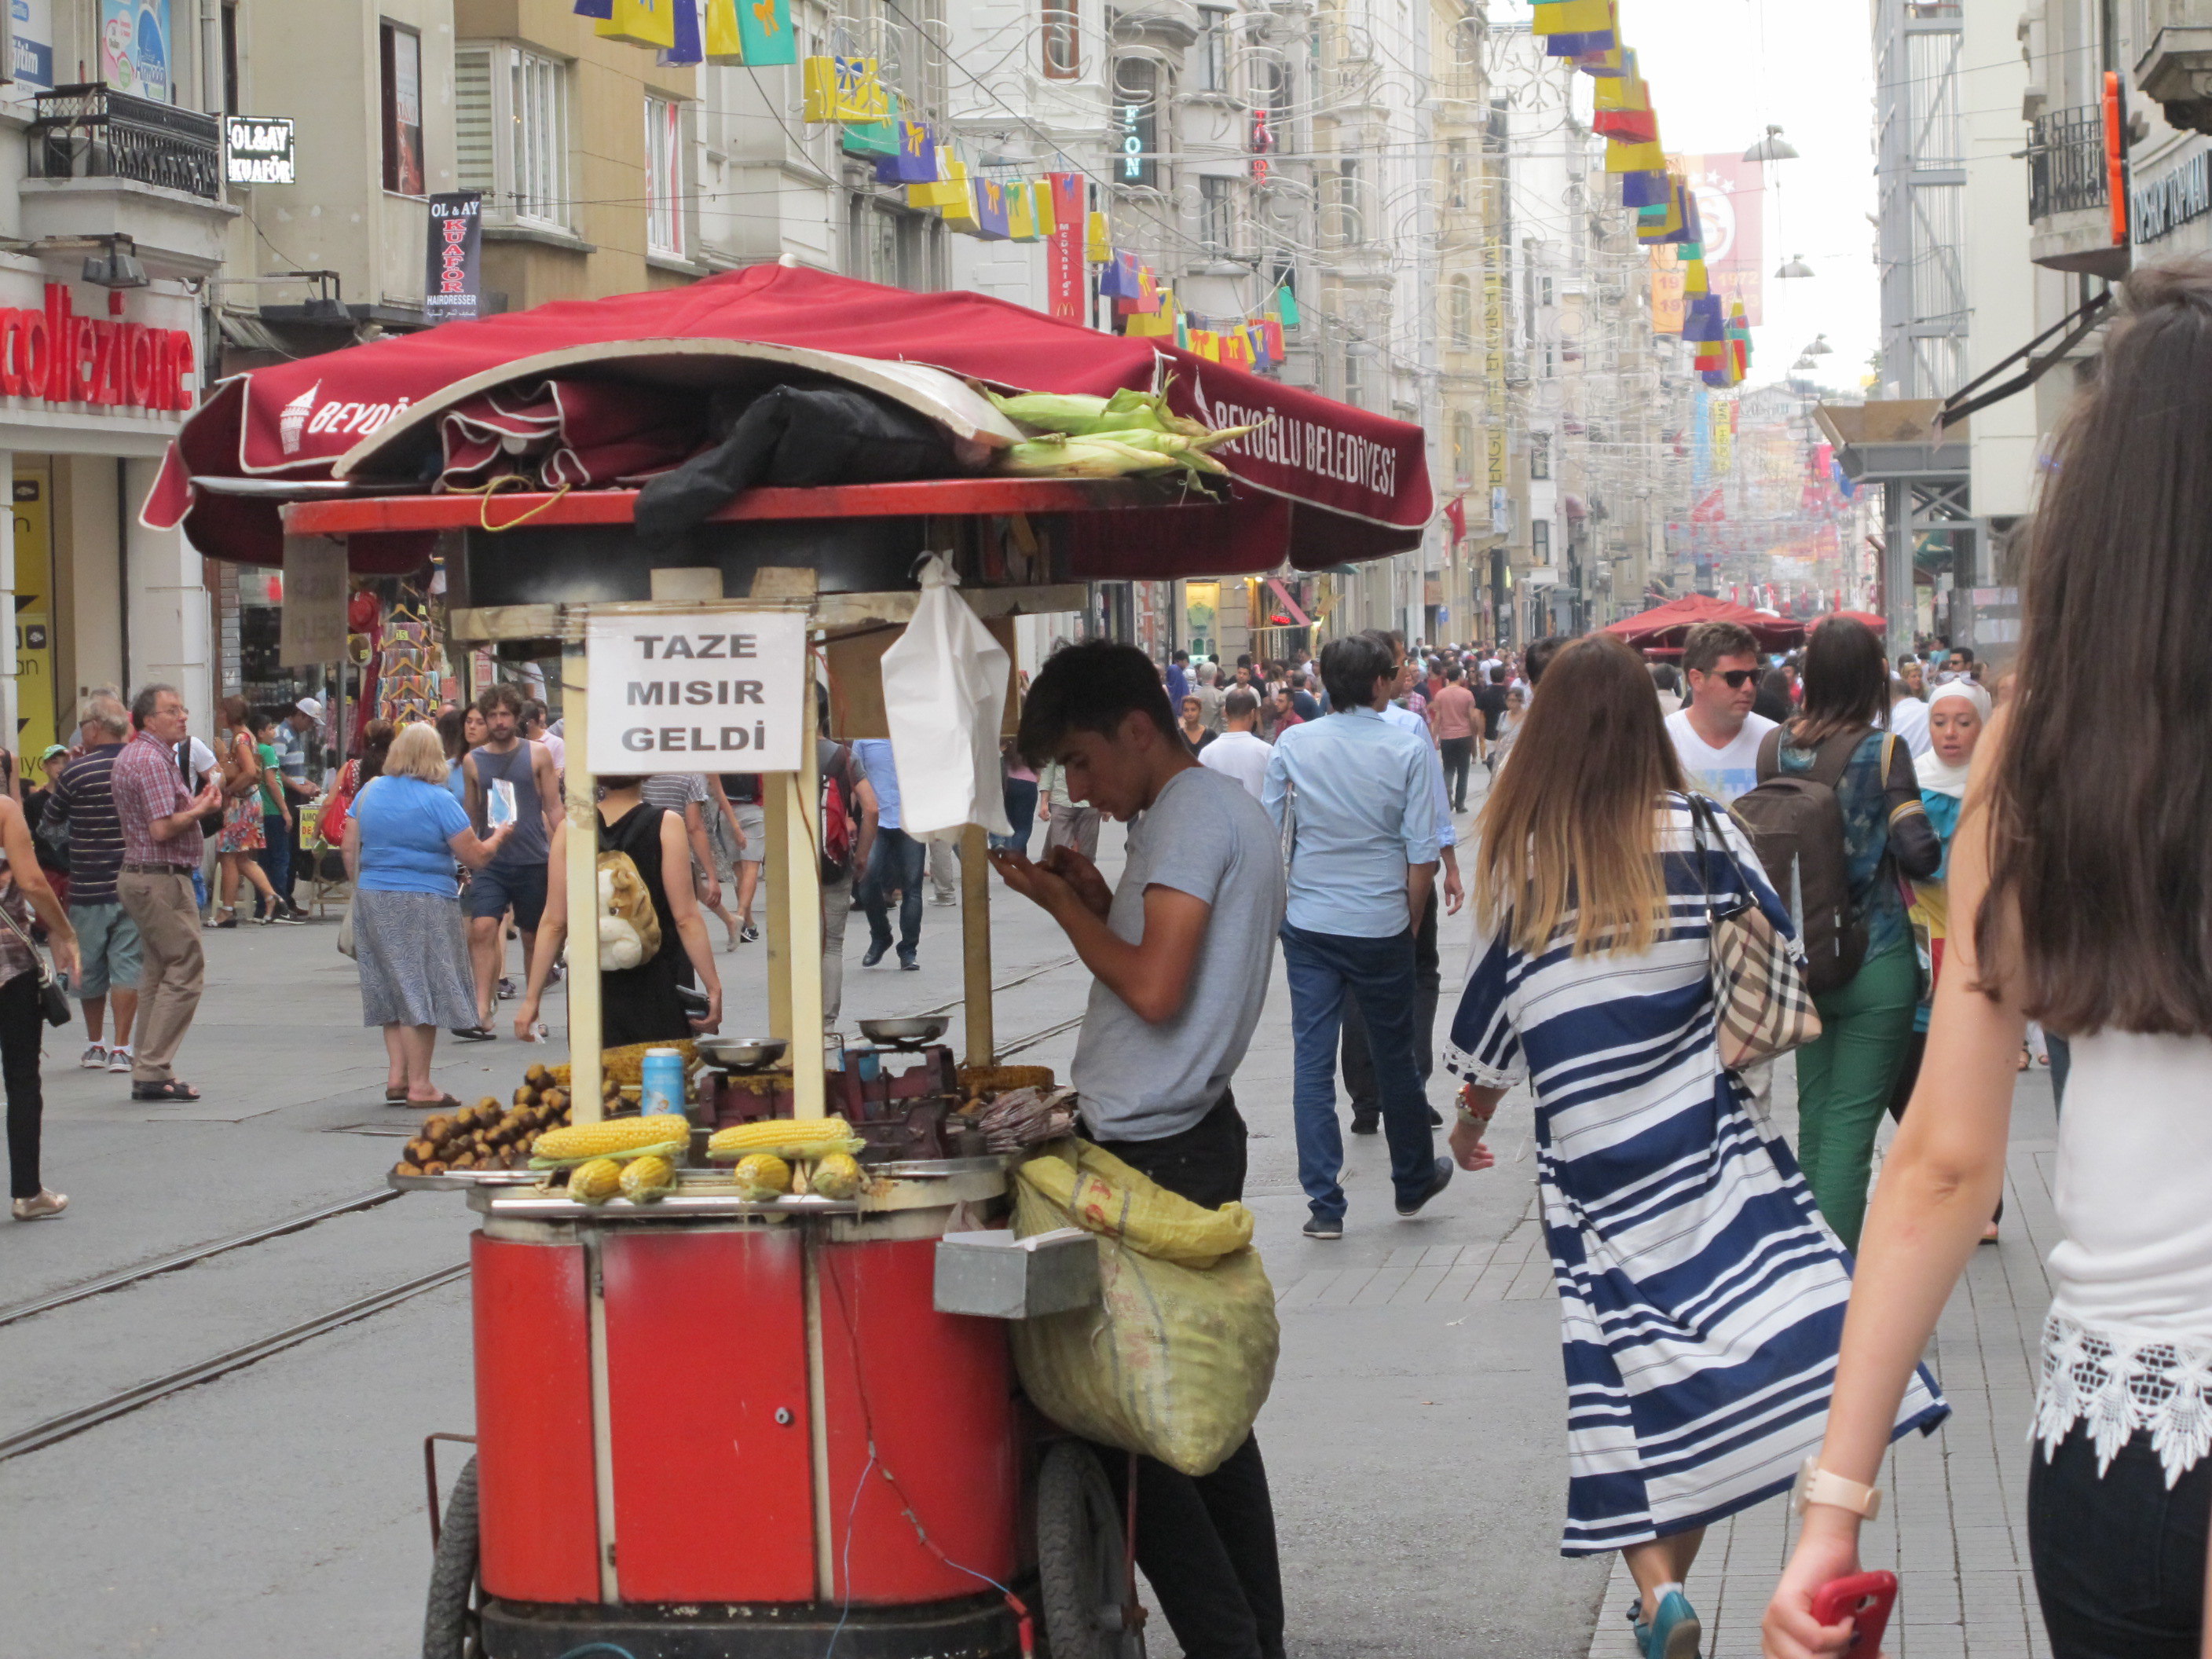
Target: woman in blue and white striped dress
(1702,1296)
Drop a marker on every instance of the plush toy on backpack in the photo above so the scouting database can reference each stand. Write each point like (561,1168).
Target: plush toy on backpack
(629,932)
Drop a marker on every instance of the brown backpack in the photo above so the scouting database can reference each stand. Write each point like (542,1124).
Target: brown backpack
(1795,822)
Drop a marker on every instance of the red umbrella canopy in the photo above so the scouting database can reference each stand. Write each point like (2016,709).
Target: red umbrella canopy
(1365,474)
(1666,625)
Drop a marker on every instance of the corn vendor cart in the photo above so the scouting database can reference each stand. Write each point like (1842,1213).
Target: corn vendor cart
(716,1425)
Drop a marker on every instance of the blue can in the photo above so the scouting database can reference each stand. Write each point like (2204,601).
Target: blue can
(661,1086)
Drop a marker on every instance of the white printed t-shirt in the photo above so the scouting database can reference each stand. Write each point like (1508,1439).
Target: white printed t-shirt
(1723,774)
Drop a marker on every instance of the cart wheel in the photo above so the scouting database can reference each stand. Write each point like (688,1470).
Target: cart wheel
(1080,1559)
(450,1627)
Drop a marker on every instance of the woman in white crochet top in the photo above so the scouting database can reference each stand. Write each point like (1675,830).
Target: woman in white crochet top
(2081,896)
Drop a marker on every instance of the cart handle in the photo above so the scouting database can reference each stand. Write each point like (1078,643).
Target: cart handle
(430,1476)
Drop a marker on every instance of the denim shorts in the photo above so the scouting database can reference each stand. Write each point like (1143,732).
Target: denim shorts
(107,949)
(497,887)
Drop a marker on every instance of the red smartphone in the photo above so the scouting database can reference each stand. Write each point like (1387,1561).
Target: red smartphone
(1865,1599)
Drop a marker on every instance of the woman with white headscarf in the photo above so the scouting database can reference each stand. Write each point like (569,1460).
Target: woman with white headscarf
(1957,711)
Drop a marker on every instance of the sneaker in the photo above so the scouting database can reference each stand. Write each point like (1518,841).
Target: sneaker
(94,1059)
(1322,1226)
(294,913)
(748,934)
(118,1059)
(1437,1182)
(1366,1123)
(944,899)
(506,989)
(41,1207)
(287,916)
(228,922)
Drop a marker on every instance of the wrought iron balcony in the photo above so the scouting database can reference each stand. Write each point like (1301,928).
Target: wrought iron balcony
(93,132)
(2066,162)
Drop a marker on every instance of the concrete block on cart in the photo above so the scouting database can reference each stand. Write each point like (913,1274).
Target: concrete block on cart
(995,1275)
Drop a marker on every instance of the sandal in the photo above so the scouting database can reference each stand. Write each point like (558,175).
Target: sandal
(394,1093)
(442,1103)
(174,1088)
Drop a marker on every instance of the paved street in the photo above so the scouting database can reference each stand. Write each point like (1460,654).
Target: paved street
(1414,1436)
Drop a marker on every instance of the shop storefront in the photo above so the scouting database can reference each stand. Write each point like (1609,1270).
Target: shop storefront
(93,382)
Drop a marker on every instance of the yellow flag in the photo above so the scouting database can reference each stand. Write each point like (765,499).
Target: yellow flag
(724,44)
(818,85)
(958,202)
(1622,157)
(1021,212)
(1097,248)
(1047,222)
(641,23)
(1572,16)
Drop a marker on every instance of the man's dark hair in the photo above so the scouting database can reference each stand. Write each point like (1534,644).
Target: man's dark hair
(1091,687)
(1239,703)
(1455,674)
(1244,661)
(1498,675)
(1349,668)
(535,713)
(1539,656)
(1708,642)
(148,700)
(1296,679)
(501,695)
(1180,656)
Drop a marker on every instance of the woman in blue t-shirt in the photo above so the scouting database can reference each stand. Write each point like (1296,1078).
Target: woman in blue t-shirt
(401,839)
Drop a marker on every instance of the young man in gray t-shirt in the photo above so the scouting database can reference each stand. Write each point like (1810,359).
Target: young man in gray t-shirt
(1180,952)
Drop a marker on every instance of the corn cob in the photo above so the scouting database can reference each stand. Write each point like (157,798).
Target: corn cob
(621,1137)
(1079,458)
(644,1179)
(760,1176)
(595,1181)
(991,1080)
(837,1176)
(626,1064)
(783,1137)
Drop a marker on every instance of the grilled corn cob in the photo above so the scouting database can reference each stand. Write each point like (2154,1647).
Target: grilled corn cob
(627,1064)
(992,1079)
(810,1138)
(837,1176)
(622,1138)
(761,1177)
(644,1179)
(595,1181)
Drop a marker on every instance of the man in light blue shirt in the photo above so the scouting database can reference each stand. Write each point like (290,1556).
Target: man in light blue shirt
(894,864)
(1428,966)
(1352,796)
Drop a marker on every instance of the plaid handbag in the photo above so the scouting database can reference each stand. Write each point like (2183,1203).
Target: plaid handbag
(1761,1006)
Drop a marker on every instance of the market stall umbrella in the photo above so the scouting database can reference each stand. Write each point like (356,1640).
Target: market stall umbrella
(1665,627)
(1321,482)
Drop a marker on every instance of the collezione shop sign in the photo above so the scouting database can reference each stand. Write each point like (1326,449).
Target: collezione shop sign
(59,357)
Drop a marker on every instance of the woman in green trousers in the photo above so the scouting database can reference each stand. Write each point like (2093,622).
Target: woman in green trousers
(1844,1078)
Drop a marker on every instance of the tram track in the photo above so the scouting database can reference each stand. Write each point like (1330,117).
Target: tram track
(68,1423)
(126,1277)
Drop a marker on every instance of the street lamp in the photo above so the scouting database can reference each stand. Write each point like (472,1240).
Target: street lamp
(1772,148)
(1819,347)
(1795,265)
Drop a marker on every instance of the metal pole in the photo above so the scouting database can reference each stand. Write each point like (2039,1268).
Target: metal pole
(975,939)
(802,922)
(582,873)
(1897,609)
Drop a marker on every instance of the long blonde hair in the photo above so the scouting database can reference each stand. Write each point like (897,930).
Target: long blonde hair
(1572,821)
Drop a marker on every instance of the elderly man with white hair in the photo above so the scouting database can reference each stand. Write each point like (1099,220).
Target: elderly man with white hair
(1210,695)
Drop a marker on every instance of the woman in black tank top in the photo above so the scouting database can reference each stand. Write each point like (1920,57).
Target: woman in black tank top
(640,1004)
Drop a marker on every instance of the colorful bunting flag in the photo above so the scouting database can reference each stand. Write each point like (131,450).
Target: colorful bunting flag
(764,32)
(688,48)
(601,9)
(1096,250)
(1634,158)
(1572,16)
(957,198)
(1286,305)
(639,22)
(724,45)
(1021,211)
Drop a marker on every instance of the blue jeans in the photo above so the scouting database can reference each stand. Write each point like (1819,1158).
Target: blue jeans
(1021,812)
(276,855)
(900,861)
(1378,974)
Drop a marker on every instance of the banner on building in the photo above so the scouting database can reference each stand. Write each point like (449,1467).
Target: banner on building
(452,289)
(1668,276)
(1731,197)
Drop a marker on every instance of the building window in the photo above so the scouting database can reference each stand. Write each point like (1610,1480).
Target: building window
(400,60)
(1544,291)
(1539,541)
(230,57)
(511,132)
(1278,82)
(1462,314)
(1137,99)
(1216,215)
(1346,199)
(1063,40)
(663,177)
(1540,454)
(1462,446)
(1213,49)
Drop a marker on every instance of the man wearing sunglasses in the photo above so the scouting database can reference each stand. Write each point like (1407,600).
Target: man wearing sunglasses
(1716,734)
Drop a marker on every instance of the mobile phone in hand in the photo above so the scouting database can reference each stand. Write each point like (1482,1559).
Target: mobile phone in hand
(499,803)
(1865,1599)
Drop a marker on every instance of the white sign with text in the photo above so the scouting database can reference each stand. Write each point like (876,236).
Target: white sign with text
(712,691)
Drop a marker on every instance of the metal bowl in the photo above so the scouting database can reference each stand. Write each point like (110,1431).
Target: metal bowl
(906,1033)
(741,1054)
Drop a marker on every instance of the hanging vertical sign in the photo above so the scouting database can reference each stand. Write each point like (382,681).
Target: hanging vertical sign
(451,290)
(1065,287)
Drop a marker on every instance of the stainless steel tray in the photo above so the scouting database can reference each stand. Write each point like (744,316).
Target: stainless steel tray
(463,1181)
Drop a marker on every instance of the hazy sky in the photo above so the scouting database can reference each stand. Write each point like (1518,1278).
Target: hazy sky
(1720,71)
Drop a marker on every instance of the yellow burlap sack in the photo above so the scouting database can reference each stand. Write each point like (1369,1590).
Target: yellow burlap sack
(1176,1359)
